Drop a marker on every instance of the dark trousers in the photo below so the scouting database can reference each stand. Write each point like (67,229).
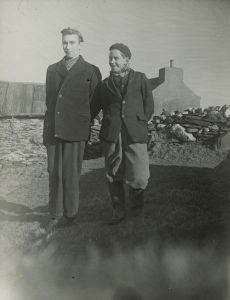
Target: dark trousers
(64,168)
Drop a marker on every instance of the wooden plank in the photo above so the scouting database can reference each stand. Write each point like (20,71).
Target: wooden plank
(25,97)
(38,104)
(17,98)
(39,93)
(9,99)
(38,107)
(17,106)
(3,91)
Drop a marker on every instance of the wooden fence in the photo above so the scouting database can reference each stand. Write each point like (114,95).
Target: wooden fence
(21,99)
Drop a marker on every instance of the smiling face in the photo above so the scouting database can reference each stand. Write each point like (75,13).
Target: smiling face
(117,61)
(71,45)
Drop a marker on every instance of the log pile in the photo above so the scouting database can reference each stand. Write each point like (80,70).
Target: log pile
(193,125)
(201,125)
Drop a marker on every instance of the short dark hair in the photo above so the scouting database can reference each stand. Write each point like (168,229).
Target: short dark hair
(123,48)
(69,30)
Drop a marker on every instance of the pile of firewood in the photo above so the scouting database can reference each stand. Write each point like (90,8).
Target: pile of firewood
(193,124)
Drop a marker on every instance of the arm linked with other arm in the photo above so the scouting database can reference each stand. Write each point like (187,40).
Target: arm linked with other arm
(147,97)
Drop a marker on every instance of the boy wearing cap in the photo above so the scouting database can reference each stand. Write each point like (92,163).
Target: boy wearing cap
(126,100)
(70,84)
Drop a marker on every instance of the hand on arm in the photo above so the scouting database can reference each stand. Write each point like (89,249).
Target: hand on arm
(94,81)
(95,105)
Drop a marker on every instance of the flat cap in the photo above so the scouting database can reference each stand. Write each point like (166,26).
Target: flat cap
(123,48)
(72,31)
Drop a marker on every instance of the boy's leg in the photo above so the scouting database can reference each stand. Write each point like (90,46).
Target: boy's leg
(136,172)
(114,168)
(72,164)
(54,156)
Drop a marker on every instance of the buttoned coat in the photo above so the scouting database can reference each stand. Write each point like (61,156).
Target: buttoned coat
(132,111)
(68,96)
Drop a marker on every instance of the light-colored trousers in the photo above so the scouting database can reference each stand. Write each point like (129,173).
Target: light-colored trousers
(64,168)
(127,162)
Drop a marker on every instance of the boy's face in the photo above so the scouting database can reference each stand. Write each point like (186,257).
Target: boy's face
(117,61)
(71,45)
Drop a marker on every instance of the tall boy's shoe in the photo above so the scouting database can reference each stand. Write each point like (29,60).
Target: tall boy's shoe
(70,220)
(117,195)
(53,224)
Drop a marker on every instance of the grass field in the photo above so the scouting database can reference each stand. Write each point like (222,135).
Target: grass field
(177,249)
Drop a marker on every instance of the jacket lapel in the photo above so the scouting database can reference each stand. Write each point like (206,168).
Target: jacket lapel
(78,67)
(130,81)
(67,75)
(111,87)
(61,69)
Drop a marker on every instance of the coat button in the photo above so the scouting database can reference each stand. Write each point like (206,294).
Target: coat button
(123,116)
(58,112)
(123,102)
(60,95)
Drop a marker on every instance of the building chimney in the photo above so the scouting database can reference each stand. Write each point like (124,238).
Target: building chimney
(171,63)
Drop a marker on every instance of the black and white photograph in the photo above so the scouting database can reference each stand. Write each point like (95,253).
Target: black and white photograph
(115,149)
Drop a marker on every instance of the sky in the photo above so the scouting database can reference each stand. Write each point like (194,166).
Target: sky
(195,33)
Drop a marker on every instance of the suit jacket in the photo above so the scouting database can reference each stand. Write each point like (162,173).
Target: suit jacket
(68,96)
(132,111)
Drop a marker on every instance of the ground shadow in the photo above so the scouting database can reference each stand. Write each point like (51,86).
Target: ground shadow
(182,205)
(185,204)
(27,201)
(13,212)
(184,209)
(14,207)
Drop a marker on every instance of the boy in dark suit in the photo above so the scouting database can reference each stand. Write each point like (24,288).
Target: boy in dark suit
(127,103)
(70,84)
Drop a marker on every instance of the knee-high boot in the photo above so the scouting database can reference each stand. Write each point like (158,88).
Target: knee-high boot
(117,195)
(136,197)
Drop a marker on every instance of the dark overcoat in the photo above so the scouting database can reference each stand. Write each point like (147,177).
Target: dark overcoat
(68,96)
(132,110)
